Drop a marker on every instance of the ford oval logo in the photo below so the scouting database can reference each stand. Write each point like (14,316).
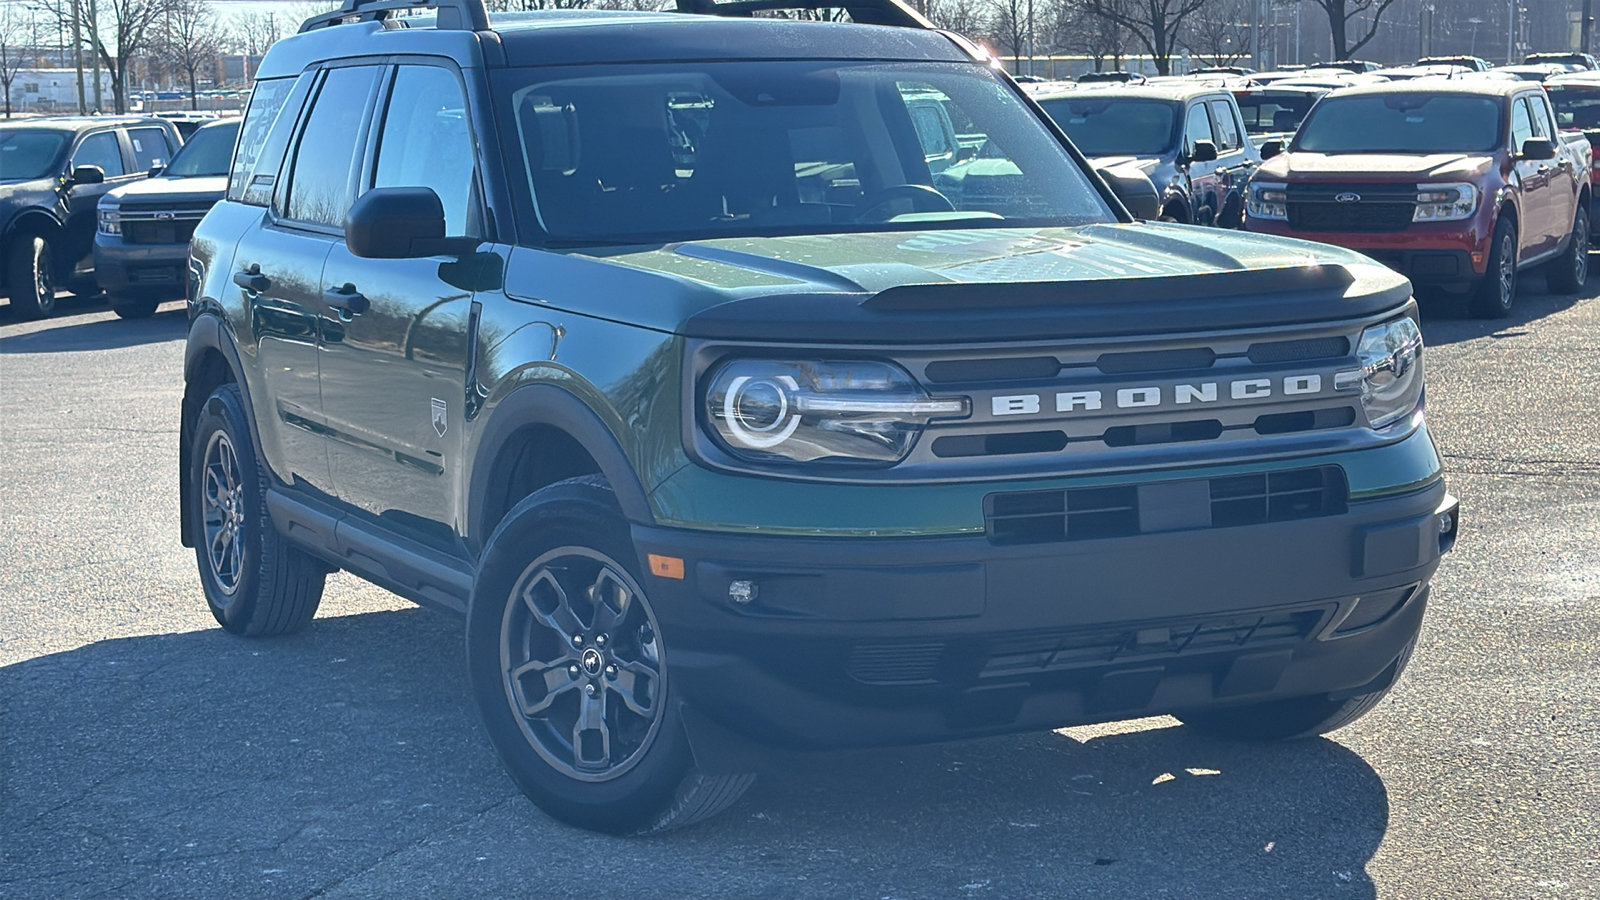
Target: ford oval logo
(1346,197)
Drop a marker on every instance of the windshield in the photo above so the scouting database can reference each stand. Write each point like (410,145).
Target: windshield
(208,152)
(29,154)
(1103,126)
(1402,123)
(670,152)
(1576,107)
(1267,112)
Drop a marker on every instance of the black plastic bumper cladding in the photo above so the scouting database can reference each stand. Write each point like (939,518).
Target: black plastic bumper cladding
(933,313)
(882,641)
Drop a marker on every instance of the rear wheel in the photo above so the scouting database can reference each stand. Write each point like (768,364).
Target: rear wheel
(30,274)
(1296,717)
(569,669)
(1498,291)
(1567,272)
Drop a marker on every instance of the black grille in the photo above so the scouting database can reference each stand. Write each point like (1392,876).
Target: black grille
(1295,351)
(1072,649)
(1359,217)
(895,663)
(1001,444)
(174,232)
(1035,517)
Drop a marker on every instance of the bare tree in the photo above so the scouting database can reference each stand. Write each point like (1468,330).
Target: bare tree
(1009,21)
(961,16)
(189,40)
(18,34)
(1076,29)
(131,25)
(1340,12)
(1219,33)
(1156,24)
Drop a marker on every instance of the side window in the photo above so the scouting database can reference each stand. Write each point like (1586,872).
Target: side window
(1521,124)
(932,132)
(1227,126)
(149,148)
(1542,126)
(100,150)
(319,180)
(426,142)
(1197,128)
(257,136)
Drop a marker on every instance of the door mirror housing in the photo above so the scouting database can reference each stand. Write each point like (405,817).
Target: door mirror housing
(400,223)
(1204,151)
(1135,189)
(1537,148)
(87,175)
(1271,148)
(156,171)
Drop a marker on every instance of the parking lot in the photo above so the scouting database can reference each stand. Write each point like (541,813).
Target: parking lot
(146,754)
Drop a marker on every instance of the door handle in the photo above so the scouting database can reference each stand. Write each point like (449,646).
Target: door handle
(346,299)
(254,282)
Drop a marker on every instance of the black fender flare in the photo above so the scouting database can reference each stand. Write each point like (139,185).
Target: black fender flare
(207,333)
(547,404)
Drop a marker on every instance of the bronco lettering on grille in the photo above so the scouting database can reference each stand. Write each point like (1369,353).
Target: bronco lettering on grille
(1151,396)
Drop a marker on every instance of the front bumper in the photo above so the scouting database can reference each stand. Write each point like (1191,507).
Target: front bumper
(156,271)
(875,641)
(1449,254)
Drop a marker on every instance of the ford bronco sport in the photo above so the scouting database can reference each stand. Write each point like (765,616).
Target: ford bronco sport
(652,344)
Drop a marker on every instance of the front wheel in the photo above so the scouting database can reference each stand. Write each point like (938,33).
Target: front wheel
(30,272)
(569,668)
(1567,272)
(1493,297)
(1296,717)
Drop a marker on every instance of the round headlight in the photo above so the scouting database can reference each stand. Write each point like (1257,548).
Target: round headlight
(757,410)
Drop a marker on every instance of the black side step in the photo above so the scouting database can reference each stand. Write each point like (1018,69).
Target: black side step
(419,573)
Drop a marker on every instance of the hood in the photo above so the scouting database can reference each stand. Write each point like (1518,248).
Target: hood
(828,285)
(1304,166)
(165,188)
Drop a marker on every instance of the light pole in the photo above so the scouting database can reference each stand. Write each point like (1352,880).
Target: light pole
(1511,31)
(1474,22)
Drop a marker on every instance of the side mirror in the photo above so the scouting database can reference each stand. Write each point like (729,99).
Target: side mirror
(1135,189)
(1204,151)
(1538,148)
(400,223)
(156,170)
(87,175)
(1271,148)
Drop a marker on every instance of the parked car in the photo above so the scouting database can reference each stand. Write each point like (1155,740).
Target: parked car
(1573,60)
(188,121)
(1187,137)
(141,247)
(53,172)
(1406,73)
(1272,114)
(1534,71)
(1461,185)
(1357,66)
(782,446)
(1576,100)
(1475,63)
(1111,78)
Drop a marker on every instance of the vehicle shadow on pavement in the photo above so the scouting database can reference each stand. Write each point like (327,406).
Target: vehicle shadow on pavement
(347,761)
(1445,319)
(171,323)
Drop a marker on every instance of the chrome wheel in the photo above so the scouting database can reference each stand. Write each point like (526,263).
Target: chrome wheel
(1508,270)
(222,512)
(580,659)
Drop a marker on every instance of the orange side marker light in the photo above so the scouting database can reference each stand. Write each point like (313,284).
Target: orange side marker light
(666,567)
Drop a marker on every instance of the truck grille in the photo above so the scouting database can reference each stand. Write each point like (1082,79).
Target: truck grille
(170,223)
(1080,514)
(1381,207)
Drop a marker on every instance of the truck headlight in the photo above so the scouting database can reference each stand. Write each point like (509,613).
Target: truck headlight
(1445,202)
(1390,377)
(110,221)
(1268,201)
(819,410)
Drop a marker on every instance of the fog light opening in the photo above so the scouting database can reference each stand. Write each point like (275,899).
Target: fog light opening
(743,592)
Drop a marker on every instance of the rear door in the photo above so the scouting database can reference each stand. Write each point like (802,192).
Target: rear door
(394,364)
(1563,180)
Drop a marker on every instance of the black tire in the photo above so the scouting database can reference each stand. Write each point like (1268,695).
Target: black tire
(130,308)
(255,582)
(1495,294)
(1567,273)
(31,276)
(641,777)
(1295,718)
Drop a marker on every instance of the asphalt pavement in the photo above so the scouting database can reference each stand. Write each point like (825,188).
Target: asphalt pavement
(144,753)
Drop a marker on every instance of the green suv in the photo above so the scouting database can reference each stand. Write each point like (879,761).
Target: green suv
(753,382)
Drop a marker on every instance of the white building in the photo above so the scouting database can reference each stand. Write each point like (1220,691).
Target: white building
(56,90)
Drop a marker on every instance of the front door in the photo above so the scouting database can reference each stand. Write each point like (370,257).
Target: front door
(1205,178)
(394,364)
(98,149)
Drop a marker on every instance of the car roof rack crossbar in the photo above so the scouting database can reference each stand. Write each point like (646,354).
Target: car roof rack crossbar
(451,15)
(862,12)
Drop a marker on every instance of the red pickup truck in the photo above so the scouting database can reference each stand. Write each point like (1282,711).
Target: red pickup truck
(1459,184)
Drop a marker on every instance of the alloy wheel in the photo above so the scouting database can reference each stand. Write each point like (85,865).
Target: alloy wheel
(1580,266)
(581,665)
(44,279)
(222,511)
(1508,271)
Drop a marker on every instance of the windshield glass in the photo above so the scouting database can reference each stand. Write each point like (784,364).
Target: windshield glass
(1402,123)
(1105,126)
(1576,107)
(208,152)
(1267,111)
(26,154)
(674,152)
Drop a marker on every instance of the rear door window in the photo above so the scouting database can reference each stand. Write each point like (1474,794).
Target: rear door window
(100,150)
(150,148)
(321,177)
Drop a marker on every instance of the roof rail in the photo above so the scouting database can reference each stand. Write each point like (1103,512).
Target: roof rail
(452,15)
(863,12)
